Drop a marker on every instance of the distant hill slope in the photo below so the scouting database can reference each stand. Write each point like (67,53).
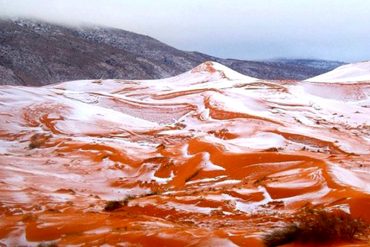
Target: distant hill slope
(37,53)
(354,72)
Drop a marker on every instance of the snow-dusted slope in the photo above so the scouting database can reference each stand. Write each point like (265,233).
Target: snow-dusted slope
(354,72)
(207,74)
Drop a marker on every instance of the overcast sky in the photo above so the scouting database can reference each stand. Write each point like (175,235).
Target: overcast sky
(245,29)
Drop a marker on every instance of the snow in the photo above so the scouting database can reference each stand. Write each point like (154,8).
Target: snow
(350,178)
(100,230)
(86,112)
(72,177)
(232,74)
(354,72)
(190,208)
(260,141)
(5,146)
(205,75)
(235,103)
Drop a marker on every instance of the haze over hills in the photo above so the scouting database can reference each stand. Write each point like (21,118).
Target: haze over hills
(38,53)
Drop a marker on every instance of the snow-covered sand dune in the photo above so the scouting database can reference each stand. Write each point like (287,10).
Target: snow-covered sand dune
(210,157)
(355,72)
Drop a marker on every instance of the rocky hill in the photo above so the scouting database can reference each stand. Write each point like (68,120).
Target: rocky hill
(37,53)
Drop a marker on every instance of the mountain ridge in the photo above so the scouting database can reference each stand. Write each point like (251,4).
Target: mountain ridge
(35,53)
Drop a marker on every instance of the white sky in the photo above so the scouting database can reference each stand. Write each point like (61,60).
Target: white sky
(246,29)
